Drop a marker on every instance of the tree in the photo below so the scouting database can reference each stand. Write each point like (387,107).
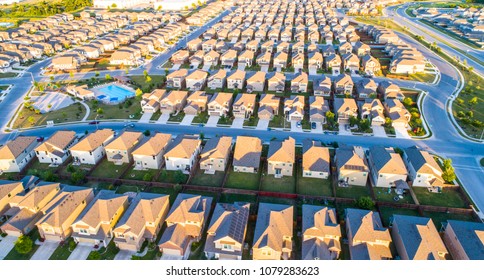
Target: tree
(179,177)
(107,77)
(147,177)
(138,92)
(364,124)
(70,168)
(473,101)
(145,73)
(100,111)
(31,120)
(114,6)
(365,202)
(407,101)
(96,73)
(77,177)
(159,8)
(353,121)
(71,74)
(330,116)
(448,173)
(126,71)
(147,133)
(24,245)
(148,79)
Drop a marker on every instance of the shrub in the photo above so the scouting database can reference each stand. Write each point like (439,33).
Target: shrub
(147,177)
(365,202)
(24,245)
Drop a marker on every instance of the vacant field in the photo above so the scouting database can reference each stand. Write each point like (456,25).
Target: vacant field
(28,118)
(130,109)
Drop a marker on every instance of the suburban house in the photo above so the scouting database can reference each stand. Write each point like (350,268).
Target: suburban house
(318,107)
(343,84)
(323,87)
(185,223)
(220,104)
(416,238)
(390,90)
(321,233)
(149,154)
(268,106)
(333,64)
(464,240)
(243,106)
(344,108)
(351,166)
(386,167)
(182,153)
(142,221)
(227,230)
(277,82)
(196,103)
(211,58)
(17,153)
(228,58)
(215,154)
(119,151)
(8,190)
(245,59)
(300,83)
(180,57)
(273,232)
(280,60)
(361,49)
(55,150)
(176,79)
(173,101)
(62,211)
(281,157)
(366,88)
(236,80)
(370,64)
(91,149)
(422,168)
(297,61)
(294,108)
(351,62)
(150,102)
(247,154)
(196,80)
(315,161)
(315,60)
(95,224)
(367,238)
(397,112)
(372,110)
(256,82)
(217,80)
(194,45)
(26,209)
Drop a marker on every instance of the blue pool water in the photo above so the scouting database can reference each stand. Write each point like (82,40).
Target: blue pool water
(115,93)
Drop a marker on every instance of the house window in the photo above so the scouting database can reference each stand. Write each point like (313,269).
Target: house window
(83,231)
(227,247)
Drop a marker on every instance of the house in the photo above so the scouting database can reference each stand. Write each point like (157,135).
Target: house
(95,224)
(180,57)
(372,110)
(185,223)
(361,49)
(315,161)
(416,238)
(351,62)
(228,58)
(209,45)
(323,87)
(294,108)
(55,150)
(344,108)
(281,157)
(268,106)
(345,48)
(244,105)
(91,149)
(277,82)
(351,166)
(318,107)
(321,233)
(390,90)
(173,101)
(227,230)
(264,59)
(464,240)
(119,151)
(300,83)
(343,84)
(315,60)
(280,61)
(26,209)
(256,82)
(247,154)
(215,154)
(194,45)
(397,112)
(236,80)
(17,153)
(366,88)
(196,80)
(64,63)
(422,168)
(142,221)
(245,59)
(220,104)
(386,167)
(367,238)
(8,190)
(196,103)
(182,153)
(370,64)
(297,61)
(211,58)
(62,211)
(196,59)
(333,64)
(217,80)
(176,79)
(273,232)
(149,154)
(150,102)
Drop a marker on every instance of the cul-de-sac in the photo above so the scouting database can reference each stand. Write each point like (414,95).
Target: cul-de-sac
(241,130)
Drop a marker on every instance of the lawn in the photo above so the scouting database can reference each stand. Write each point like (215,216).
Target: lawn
(168,191)
(423,77)
(352,192)
(382,194)
(177,118)
(277,200)
(439,218)
(313,186)
(8,75)
(387,212)
(28,118)
(449,197)
(232,197)
(130,109)
(252,121)
(105,253)
(201,118)
(62,252)
(126,188)
(286,184)
(202,193)
(108,169)
(173,177)
(142,83)
(37,168)
(201,179)
(279,121)
(14,255)
(241,180)
(226,120)
(141,175)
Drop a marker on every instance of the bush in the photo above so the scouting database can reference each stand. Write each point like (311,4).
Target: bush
(72,245)
(147,133)
(70,168)
(24,245)
(365,202)
(95,255)
(179,177)
(147,177)
(78,177)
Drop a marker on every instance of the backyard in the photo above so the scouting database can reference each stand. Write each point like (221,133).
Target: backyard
(172,177)
(449,197)
(286,184)
(384,195)
(212,180)
(242,180)
(313,186)
(141,175)
(352,192)
(107,169)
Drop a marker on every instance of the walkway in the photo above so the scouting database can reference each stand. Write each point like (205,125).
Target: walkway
(88,110)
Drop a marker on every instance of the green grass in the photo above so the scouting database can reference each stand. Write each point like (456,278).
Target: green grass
(62,252)
(28,118)
(232,197)
(139,175)
(278,121)
(108,169)
(14,255)
(168,176)
(2,87)
(352,192)
(37,167)
(286,184)
(202,193)
(449,197)
(8,75)
(439,218)
(226,120)
(120,111)
(252,121)
(423,77)
(241,180)
(451,34)
(201,118)
(314,186)
(202,179)
(383,195)
(100,185)
(387,212)
(126,188)
(140,82)
(168,191)
(177,118)
(277,200)
(482,162)
(107,253)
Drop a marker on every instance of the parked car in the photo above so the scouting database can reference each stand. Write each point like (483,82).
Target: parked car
(94,122)
(313,125)
(40,139)
(298,124)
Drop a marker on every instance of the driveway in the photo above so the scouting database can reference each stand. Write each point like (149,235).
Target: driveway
(264,69)
(313,71)
(45,250)
(238,123)
(378,131)
(262,124)
(6,245)
(343,131)
(81,252)
(145,118)
(295,128)
(241,66)
(401,132)
(124,255)
(187,120)
(163,118)
(212,121)
(318,129)
(206,67)
(176,67)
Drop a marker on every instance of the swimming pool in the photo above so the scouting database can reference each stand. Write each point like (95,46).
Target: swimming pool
(114,93)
